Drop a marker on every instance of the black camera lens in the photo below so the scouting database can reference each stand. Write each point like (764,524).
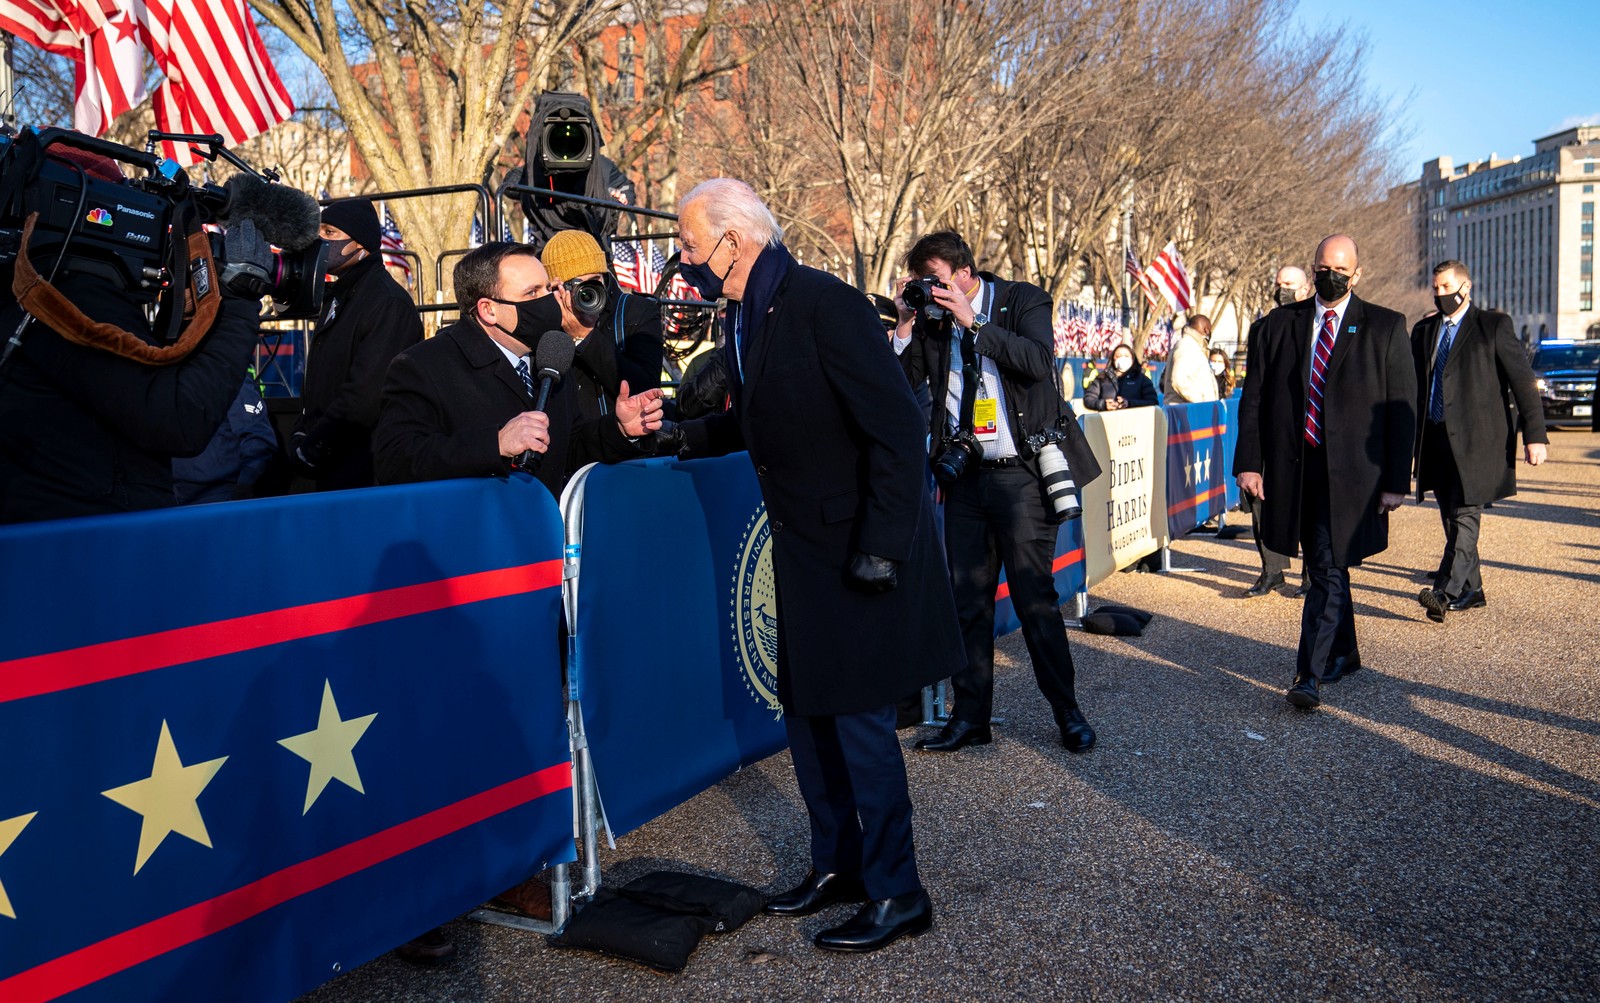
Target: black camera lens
(567,141)
(588,295)
(952,463)
(915,295)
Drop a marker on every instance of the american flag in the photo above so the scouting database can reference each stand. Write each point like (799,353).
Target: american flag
(475,238)
(1131,264)
(625,265)
(392,244)
(1170,278)
(651,264)
(1160,340)
(1063,333)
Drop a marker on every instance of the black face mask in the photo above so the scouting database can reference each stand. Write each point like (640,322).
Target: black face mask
(1332,286)
(1285,296)
(336,258)
(1450,302)
(535,317)
(706,282)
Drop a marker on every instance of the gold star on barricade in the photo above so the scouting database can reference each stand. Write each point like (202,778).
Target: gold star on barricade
(168,798)
(10,829)
(330,749)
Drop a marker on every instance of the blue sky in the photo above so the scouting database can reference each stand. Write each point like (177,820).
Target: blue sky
(1476,77)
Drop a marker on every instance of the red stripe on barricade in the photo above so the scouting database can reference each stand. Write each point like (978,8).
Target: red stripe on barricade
(96,663)
(122,951)
(1190,503)
(1197,433)
(1065,560)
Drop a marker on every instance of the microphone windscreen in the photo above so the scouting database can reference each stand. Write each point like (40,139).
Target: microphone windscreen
(554,354)
(285,216)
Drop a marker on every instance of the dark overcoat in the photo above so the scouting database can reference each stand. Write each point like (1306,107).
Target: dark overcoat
(836,439)
(1489,394)
(1020,338)
(445,401)
(1369,423)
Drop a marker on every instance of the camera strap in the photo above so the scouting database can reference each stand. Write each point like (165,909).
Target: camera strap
(202,296)
(971,375)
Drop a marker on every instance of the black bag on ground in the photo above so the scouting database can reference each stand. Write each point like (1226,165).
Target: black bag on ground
(659,918)
(1120,621)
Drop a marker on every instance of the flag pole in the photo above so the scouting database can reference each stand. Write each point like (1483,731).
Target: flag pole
(1127,277)
(8,83)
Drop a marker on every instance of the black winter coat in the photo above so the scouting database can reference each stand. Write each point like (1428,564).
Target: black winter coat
(445,401)
(1489,394)
(86,432)
(1369,423)
(1132,386)
(599,366)
(368,319)
(837,443)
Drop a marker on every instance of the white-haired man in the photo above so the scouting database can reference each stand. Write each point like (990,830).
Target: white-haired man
(864,605)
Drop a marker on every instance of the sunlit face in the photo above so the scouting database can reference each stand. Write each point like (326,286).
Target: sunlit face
(1448,283)
(960,279)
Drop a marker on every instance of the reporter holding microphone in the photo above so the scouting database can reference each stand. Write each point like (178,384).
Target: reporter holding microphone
(464,403)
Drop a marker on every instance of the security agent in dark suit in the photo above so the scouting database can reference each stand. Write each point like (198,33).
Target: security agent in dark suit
(459,404)
(864,609)
(367,319)
(1326,428)
(1475,390)
(996,511)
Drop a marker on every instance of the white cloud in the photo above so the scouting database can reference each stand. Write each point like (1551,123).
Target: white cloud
(1573,121)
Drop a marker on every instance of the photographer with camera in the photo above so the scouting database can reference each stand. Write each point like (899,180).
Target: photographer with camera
(94,402)
(617,334)
(1006,452)
(368,319)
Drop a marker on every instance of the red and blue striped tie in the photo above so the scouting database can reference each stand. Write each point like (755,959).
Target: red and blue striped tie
(1321,353)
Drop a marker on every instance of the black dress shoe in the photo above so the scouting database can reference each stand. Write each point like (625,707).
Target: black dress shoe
(1303,693)
(1435,602)
(880,924)
(1263,586)
(1076,735)
(430,950)
(1302,590)
(1340,666)
(815,893)
(955,735)
(1469,600)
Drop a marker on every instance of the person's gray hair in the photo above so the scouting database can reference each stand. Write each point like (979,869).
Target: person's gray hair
(730,204)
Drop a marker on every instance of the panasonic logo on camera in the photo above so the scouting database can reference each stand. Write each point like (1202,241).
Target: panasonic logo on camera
(137,212)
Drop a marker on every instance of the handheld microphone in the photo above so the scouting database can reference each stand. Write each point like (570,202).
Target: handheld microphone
(552,358)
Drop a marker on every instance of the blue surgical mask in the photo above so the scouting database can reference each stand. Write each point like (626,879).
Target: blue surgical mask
(705,281)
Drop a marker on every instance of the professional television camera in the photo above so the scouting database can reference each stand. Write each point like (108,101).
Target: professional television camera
(63,210)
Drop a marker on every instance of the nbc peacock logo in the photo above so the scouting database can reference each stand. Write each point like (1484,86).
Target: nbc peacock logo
(99,217)
(755,613)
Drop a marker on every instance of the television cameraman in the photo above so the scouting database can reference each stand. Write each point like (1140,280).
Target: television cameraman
(997,415)
(90,430)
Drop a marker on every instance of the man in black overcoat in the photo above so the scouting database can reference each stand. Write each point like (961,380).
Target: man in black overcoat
(1475,390)
(457,405)
(864,608)
(997,513)
(1326,429)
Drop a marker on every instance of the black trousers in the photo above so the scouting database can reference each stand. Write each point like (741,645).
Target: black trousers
(995,517)
(853,779)
(1328,623)
(1272,562)
(1459,570)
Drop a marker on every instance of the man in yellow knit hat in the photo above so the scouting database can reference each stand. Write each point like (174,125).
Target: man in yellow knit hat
(622,341)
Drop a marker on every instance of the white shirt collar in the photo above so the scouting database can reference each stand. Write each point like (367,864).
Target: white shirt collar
(511,357)
(1322,310)
(1454,320)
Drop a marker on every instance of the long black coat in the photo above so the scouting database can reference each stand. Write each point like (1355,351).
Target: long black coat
(368,319)
(1489,394)
(85,432)
(445,401)
(1020,339)
(837,443)
(1369,423)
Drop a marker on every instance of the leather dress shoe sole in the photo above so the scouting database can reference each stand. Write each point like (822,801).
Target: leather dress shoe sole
(957,735)
(814,894)
(880,924)
(1468,600)
(1435,602)
(1303,694)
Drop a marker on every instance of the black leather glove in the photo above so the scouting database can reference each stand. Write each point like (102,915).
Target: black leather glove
(670,439)
(245,261)
(874,575)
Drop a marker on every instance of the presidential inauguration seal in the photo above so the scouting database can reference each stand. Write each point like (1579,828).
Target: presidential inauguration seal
(755,612)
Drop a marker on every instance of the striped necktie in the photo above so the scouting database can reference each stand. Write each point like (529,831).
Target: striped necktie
(1322,351)
(527,376)
(1447,334)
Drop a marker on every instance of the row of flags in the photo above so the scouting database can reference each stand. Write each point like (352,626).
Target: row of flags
(1092,332)
(217,74)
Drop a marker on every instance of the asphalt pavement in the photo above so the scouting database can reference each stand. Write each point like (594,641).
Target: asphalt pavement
(1431,833)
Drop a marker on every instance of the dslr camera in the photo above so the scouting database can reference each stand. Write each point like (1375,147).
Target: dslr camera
(918,295)
(588,295)
(959,450)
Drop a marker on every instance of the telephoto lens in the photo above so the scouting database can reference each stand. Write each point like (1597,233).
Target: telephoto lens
(588,295)
(1058,484)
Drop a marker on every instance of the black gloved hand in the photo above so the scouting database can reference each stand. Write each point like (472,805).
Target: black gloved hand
(245,261)
(874,575)
(670,439)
